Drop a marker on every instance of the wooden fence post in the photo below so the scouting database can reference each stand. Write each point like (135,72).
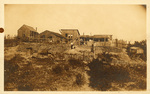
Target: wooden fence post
(116,42)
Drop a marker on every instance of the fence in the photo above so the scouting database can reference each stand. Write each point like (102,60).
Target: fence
(119,43)
(84,56)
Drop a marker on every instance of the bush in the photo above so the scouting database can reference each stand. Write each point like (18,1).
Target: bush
(57,69)
(102,75)
(74,63)
(11,42)
(80,80)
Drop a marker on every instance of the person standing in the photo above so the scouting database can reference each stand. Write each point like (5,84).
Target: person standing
(72,45)
(93,49)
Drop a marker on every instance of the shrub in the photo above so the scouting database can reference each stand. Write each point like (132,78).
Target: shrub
(102,75)
(58,69)
(80,80)
(74,63)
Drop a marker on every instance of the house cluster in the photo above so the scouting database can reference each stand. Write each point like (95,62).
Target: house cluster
(68,36)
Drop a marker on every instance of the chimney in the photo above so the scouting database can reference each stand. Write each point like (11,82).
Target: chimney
(36,28)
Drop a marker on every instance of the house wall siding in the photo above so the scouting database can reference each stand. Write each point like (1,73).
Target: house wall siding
(74,33)
(48,35)
(27,32)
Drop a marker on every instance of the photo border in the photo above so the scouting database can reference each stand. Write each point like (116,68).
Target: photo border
(3,2)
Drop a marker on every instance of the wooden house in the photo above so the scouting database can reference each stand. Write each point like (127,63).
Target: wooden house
(27,32)
(50,36)
(70,34)
(99,40)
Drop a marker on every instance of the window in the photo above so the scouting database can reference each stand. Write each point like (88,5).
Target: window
(31,33)
(66,35)
(95,39)
(101,39)
(106,39)
(50,37)
(86,39)
(43,36)
(35,34)
(23,35)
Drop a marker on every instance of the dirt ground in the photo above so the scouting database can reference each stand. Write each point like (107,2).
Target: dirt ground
(49,68)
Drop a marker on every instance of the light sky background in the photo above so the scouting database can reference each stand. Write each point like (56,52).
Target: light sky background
(127,22)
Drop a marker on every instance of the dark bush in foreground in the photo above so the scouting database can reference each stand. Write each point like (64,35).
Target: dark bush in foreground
(102,76)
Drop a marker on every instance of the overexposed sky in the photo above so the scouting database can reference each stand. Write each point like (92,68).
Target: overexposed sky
(126,22)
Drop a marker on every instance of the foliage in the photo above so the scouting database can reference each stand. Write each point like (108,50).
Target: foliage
(103,75)
(42,74)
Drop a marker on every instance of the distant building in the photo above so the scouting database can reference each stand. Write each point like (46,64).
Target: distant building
(99,40)
(70,34)
(26,31)
(51,36)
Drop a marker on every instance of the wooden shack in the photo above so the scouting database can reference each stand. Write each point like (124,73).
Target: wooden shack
(136,50)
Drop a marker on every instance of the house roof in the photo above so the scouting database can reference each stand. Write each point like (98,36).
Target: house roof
(56,34)
(86,36)
(101,36)
(96,36)
(28,27)
(70,30)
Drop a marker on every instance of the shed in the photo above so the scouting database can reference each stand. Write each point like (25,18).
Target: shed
(136,50)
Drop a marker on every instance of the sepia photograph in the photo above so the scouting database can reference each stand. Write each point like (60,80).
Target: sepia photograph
(75,47)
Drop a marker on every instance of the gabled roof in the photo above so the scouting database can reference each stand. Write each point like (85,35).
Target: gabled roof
(70,30)
(56,34)
(28,27)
